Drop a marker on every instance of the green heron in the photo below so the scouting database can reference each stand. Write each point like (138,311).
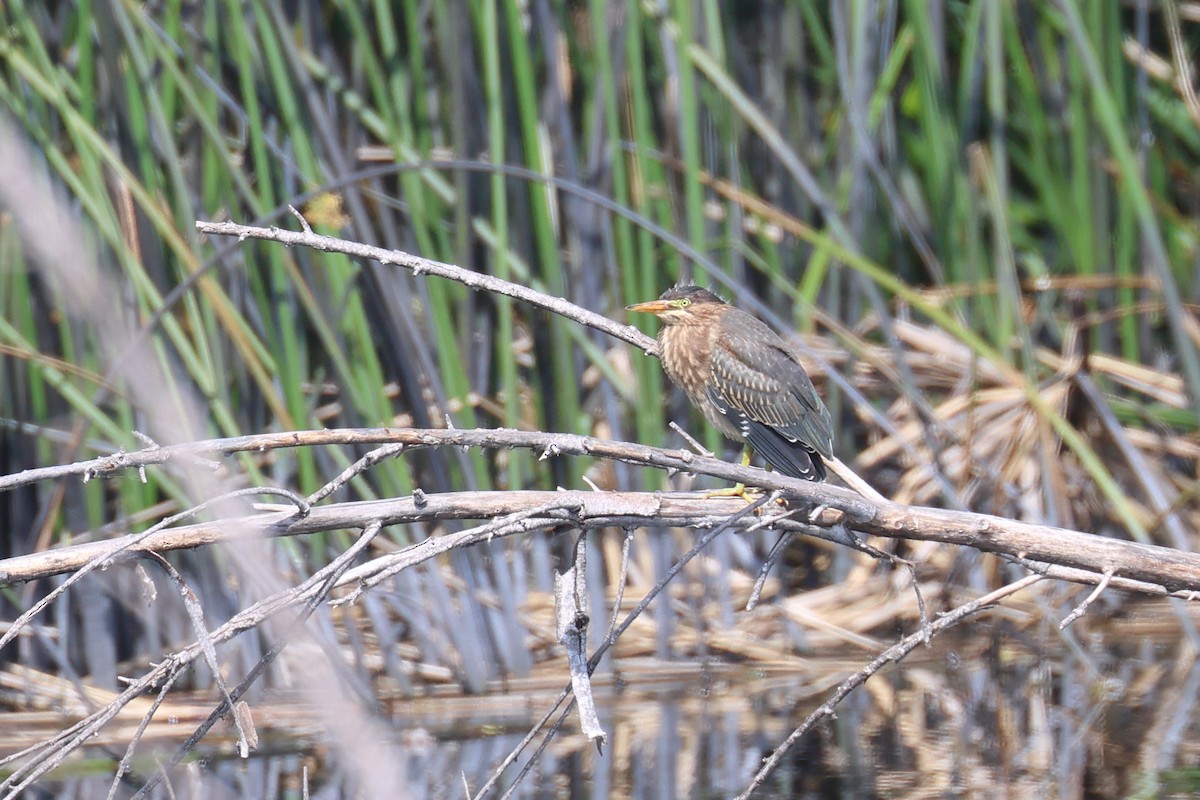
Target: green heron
(744,379)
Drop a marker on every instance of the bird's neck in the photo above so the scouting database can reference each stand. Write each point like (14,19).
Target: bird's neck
(685,355)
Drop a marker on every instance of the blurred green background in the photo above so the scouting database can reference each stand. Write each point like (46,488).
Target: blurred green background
(1006,183)
(979,218)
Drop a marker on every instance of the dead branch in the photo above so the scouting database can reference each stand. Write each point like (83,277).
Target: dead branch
(895,653)
(1136,567)
(420,266)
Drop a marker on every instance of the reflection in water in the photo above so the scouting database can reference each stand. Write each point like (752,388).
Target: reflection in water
(995,709)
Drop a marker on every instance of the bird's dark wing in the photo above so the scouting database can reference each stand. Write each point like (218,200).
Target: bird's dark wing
(762,389)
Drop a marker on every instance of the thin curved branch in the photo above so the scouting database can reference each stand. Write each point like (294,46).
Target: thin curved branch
(895,653)
(419,266)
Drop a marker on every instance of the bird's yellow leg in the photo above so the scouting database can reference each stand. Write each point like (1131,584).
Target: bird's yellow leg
(738,490)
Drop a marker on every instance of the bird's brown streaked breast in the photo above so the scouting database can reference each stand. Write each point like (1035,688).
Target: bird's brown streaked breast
(687,363)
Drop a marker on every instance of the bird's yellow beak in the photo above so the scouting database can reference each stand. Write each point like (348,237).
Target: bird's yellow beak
(652,307)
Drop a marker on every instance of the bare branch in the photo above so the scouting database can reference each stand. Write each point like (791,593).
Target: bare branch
(893,654)
(572,619)
(1143,568)
(45,755)
(1082,608)
(421,266)
(743,513)
(313,591)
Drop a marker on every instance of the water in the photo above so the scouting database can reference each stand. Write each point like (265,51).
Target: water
(1001,708)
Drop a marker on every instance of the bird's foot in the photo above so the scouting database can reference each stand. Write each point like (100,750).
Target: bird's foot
(740,490)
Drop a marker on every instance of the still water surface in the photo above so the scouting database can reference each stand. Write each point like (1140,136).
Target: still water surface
(992,710)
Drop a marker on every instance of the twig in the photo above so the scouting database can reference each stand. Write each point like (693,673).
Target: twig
(692,440)
(854,480)
(325,580)
(48,754)
(923,617)
(362,465)
(127,759)
(626,546)
(772,557)
(196,615)
(674,570)
(893,654)
(104,554)
(421,266)
(380,569)
(1082,608)
(303,222)
(571,626)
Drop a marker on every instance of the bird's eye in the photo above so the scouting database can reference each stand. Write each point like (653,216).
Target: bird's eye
(684,302)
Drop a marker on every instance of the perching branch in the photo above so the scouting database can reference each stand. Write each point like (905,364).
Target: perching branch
(1136,567)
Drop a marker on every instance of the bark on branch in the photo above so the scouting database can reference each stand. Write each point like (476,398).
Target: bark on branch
(426,266)
(1072,555)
